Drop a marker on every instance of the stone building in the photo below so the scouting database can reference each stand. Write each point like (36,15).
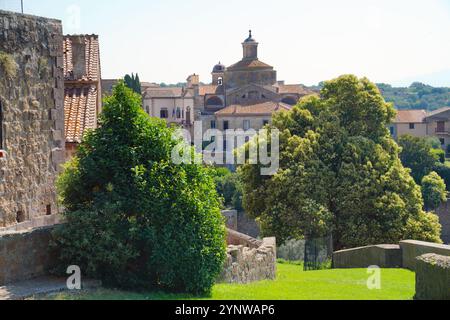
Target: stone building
(31,119)
(243,95)
(83,89)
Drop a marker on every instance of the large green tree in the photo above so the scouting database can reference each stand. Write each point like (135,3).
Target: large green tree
(133,82)
(340,173)
(418,155)
(134,218)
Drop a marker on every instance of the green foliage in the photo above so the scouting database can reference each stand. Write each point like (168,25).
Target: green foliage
(443,171)
(433,191)
(229,187)
(8,65)
(417,154)
(417,96)
(438,154)
(340,173)
(133,83)
(135,219)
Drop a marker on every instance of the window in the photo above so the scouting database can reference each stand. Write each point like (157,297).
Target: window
(392,130)
(213,124)
(440,126)
(20,216)
(220,81)
(226,125)
(178,113)
(246,124)
(164,114)
(265,123)
(442,140)
(48,210)
(412,126)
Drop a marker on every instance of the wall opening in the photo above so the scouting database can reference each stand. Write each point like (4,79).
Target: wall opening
(48,210)
(20,216)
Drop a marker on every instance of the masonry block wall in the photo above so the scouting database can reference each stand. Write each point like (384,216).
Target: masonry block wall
(32,118)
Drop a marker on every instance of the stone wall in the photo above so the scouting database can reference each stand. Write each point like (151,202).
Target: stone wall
(432,277)
(31,98)
(444,218)
(384,256)
(413,249)
(25,255)
(246,264)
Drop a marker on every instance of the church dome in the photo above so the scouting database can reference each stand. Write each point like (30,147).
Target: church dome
(219,68)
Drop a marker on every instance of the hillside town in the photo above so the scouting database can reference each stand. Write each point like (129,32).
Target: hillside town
(88,179)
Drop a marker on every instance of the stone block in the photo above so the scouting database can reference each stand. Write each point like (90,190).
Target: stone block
(432,277)
(384,256)
(412,249)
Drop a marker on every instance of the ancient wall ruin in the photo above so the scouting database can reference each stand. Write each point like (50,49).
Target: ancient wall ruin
(249,260)
(32,118)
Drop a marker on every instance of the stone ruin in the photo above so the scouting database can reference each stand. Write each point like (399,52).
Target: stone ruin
(248,259)
(31,119)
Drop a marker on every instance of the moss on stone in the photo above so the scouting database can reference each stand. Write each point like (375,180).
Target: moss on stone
(8,65)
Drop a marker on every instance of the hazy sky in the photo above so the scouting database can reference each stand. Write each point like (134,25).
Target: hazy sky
(392,41)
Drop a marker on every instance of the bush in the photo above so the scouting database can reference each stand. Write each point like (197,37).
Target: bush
(135,219)
(438,154)
(433,191)
(444,172)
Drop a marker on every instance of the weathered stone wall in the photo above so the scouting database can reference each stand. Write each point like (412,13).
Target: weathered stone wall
(231,219)
(432,277)
(25,255)
(413,249)
(384,256)
(246,264)
(444,218)
(33,117)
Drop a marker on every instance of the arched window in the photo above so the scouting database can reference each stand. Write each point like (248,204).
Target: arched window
(290,101)
(220,81)
(214,102)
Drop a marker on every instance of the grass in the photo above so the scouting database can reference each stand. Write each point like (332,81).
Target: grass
(292,284)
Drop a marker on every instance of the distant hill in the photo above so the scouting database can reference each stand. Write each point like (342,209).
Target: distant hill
(416,96)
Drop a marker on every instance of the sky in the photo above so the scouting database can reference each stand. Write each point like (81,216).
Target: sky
(389,41)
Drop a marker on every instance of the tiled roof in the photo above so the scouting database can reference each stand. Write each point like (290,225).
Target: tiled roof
(210,89)
(265,108)
(437,112)
(249,64)
(92,57)
(410,116)
(82,86)
(169,92)
(294,89)
(80,107)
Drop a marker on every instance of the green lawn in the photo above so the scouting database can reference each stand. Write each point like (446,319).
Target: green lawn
(292,284)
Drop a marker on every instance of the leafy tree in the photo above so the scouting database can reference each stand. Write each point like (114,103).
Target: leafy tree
(133,83)
(229,187)
(417,154)
(340,173)
(433,191)
(135,219)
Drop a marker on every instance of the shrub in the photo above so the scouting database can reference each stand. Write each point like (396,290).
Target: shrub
(444,172)
(135,219)
(438,154)
(229,187)
(433,191)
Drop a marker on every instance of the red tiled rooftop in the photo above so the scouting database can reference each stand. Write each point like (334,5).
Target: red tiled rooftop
(264,108)
(410,116)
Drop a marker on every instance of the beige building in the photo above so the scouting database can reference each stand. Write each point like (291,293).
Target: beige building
(419,123)
(242,96)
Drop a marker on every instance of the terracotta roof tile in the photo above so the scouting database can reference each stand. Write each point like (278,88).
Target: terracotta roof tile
(249,64)
(92,58)
(294,89)
(168,92)
(410,116)
(438,111)
(264,108)
(210,89)
(80,111)
(81,93)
